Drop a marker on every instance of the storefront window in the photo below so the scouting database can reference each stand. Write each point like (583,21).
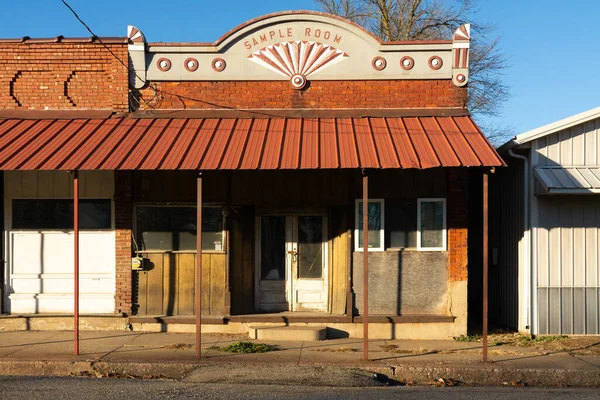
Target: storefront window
(432,224)
(57,214)
(173,228)
(400,224)
(375,227)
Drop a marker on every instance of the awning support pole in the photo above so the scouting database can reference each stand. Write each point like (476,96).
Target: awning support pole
(199,267)
(76,261)
(484,335)
(365,224)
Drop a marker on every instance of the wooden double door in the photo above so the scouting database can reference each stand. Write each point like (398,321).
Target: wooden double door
(291,267)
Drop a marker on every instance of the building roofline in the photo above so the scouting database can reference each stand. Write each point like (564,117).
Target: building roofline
(551,128)
(62,39)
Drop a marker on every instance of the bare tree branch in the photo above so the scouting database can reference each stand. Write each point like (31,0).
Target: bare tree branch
(393,20)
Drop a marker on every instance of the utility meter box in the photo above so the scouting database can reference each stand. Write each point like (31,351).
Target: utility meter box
(137,263)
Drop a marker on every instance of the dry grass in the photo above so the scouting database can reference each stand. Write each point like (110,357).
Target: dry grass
(179,346)
(392,348)
(338,350)
(582,345)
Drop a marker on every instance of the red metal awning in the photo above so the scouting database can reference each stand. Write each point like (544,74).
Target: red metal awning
(243,143)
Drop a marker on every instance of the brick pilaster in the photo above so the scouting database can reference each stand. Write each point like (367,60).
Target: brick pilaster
(458,221)
(123,251)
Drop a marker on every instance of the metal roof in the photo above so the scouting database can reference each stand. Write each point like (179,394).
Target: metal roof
(243,143)
(568,180)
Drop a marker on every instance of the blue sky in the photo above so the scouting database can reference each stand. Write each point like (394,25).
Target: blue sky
(552,45)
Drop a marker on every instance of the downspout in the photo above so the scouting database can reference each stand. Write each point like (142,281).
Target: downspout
(526,247)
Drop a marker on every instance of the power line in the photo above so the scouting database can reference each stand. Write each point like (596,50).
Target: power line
(156,90)
(94,36)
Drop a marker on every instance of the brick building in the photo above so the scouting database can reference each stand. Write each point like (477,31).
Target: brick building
(281,123)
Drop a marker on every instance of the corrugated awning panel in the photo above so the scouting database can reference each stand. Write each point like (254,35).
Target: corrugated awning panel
(568,180)
(243,143)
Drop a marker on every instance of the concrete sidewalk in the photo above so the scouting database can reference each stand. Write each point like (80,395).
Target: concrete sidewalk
(171,355)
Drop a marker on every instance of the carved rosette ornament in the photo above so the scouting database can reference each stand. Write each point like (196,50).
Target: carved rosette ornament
(297,60)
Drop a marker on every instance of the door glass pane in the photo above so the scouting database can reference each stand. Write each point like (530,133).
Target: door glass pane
(374,221)
(310,247)
(432,224)
(272,248)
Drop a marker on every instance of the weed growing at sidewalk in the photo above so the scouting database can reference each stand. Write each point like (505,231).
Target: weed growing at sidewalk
(468,338)
(246,348)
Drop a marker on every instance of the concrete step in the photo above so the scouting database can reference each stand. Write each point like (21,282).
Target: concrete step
(292,333)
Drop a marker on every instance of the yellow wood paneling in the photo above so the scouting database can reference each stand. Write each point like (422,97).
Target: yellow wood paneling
(187,277)
(168,286)
(339,234)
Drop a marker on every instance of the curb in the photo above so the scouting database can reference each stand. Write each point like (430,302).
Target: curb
(481,376)
(493,376)
(99,369)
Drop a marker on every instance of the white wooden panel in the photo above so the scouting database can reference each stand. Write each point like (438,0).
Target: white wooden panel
(63,285)
(41,271)
(60,304)
(26,254)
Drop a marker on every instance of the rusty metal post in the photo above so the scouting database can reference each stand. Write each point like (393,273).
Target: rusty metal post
(76,262)
(199,267)
(365,224)
(484,336)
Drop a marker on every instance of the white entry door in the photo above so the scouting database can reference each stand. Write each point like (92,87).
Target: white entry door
(292,263)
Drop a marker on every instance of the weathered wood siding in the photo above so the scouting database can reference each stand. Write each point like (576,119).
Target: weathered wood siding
(167,287)
(340,238)
(579,145)
(241,245)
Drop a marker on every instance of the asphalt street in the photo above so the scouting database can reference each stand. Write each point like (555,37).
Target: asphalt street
(107,388)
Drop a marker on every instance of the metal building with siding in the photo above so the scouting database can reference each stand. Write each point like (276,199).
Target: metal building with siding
(548,254)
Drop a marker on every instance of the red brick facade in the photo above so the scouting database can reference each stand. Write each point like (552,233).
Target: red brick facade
(123,251)
(43,75)
(319,94)
(458,222)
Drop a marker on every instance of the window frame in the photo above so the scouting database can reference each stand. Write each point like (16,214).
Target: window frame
(444,222)
(381,229)
(138,241)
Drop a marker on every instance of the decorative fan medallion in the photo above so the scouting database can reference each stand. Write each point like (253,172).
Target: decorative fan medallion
(297,60)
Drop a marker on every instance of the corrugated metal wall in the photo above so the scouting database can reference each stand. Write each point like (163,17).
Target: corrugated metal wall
(506,230)
(567,238)
(568,268)
(579,145)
